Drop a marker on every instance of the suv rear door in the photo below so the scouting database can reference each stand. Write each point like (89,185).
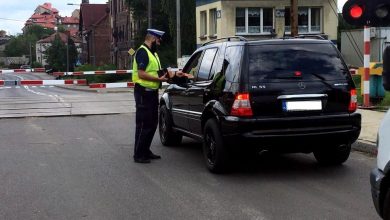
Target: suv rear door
(297,77)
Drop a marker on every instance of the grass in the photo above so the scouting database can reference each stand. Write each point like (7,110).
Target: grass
(382,104)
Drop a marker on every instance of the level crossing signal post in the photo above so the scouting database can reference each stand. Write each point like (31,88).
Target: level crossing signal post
(367,13)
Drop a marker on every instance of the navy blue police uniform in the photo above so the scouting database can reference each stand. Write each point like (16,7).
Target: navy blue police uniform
(146,99)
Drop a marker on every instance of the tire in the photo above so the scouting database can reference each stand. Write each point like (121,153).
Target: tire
(386,206)
(215,154)
(168,136)
(333,155)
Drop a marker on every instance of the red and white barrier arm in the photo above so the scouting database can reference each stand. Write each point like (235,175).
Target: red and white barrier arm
(111,85)
(36,70)
(92,72)
(46,82)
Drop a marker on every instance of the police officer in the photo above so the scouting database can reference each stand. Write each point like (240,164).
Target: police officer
(146,69)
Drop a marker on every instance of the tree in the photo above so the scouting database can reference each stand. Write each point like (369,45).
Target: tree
(161,12)
(3,33)
(20,45)
(56,54)
(187,21)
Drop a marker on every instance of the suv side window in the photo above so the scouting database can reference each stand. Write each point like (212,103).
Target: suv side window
(233,57)
(207,63)
(192,65)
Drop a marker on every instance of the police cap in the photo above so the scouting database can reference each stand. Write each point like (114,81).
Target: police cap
(155,33)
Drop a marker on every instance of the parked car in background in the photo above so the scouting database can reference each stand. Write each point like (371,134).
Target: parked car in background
(380,176)
(25,66)
(280,95)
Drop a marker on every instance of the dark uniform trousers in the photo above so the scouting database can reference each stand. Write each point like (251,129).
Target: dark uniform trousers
(146,101)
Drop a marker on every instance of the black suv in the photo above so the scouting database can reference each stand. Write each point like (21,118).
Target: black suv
(282,95)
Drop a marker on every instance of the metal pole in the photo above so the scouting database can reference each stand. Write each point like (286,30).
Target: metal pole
(294,18)
(149,13)
(178,46)
(366,77)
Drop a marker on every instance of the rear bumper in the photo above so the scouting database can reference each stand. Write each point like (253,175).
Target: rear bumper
(341,128)
(377,192)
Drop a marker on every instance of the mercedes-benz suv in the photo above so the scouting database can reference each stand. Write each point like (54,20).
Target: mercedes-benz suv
(281,95)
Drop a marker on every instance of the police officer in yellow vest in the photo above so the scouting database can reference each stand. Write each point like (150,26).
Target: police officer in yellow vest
(146,69)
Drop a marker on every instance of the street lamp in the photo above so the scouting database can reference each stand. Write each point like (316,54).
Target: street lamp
(73,4)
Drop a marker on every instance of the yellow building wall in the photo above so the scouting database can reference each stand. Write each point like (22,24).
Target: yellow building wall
(226,24)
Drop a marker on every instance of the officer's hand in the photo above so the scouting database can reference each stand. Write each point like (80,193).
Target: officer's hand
(179,73)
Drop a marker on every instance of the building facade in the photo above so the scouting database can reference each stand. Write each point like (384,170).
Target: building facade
(120,29)
(43,44)
(94,28)
(44,15)
(262,19)
(352,45)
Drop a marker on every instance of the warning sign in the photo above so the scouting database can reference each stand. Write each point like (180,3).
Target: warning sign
(131,51)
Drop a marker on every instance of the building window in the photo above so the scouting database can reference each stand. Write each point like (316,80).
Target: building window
(203,23)
(240,20)
(213,22)
(309,20)
(254,20)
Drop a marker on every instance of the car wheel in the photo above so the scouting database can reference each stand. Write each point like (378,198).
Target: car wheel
(215,154)
(386,206)
(168,137)
(334,155)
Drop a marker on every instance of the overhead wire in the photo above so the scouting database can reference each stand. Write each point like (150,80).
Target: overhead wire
(348,34)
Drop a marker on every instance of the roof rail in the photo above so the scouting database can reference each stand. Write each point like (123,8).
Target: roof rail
(226,39)
(315,36)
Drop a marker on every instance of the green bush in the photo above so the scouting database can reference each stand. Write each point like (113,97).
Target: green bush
(89,67)
(108,78)
(36,64)
(85,67)
(105,78)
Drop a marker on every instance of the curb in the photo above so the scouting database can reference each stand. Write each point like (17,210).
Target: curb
(365,147)
(96,90)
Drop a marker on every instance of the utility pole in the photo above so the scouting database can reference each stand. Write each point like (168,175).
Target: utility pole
(30,55)
(294,18)
(149,13)
(178,42)
(67,55)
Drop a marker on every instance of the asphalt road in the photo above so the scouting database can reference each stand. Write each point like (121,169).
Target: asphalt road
(79,168)
(36,101)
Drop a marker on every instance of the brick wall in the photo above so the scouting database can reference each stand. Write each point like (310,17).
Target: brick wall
(101,41)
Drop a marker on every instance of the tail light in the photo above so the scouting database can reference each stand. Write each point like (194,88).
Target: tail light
(353,102)
(242,106)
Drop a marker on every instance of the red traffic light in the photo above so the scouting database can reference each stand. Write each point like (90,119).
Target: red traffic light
(356,11)
(373,13)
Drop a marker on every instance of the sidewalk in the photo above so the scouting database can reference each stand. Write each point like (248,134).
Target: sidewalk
(371,120)
(366,142)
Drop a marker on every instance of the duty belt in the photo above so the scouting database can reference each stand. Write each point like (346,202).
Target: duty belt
(145,89)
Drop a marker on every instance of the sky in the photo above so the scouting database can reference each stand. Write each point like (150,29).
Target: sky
(13,13)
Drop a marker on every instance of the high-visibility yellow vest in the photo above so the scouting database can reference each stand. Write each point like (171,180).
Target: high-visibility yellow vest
(152,68)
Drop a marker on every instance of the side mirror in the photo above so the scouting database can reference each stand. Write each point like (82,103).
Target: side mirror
(386,68)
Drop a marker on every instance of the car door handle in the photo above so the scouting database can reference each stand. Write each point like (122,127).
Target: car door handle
(190,93)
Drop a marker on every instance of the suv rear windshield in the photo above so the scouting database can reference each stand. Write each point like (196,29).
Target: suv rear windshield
(289,61)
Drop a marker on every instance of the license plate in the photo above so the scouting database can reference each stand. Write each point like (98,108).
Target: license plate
(302,105)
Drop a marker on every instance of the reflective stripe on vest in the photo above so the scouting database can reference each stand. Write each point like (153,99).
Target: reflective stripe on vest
(151,69)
